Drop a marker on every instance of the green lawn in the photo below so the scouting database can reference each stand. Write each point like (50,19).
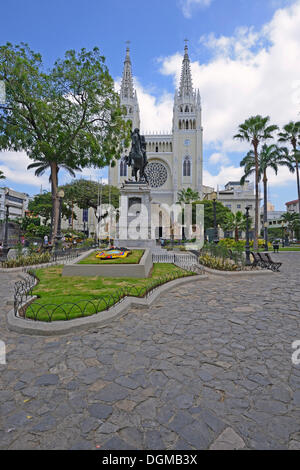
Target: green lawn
(132,258)
(286,248)
(58,295)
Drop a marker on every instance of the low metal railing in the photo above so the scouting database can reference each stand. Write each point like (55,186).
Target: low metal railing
(25,306)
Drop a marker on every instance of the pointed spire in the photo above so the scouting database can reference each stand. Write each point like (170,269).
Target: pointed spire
(186,85)
(127,90)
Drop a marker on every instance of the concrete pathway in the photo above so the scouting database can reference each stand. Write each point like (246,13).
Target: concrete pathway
(208,366)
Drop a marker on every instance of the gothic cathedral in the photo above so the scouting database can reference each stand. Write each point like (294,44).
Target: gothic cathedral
(175,160)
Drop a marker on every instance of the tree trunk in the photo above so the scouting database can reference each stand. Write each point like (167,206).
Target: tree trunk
(265,209)
(255,242)
(55,202)
(236,234)
(294,143)
(298,184)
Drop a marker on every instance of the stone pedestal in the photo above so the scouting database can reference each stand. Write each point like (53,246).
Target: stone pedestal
(134,227)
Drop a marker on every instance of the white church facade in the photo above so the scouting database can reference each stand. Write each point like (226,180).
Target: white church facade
(175,161)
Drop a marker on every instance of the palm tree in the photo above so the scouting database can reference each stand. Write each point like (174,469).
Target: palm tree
(235,222)
(270,156)
(256,130)
(186,196)
(292,220)
(2,177)
(291,134)
(41,165)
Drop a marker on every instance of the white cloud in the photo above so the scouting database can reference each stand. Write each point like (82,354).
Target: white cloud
(217,158)
(14,166)
(188,5)
(252,72)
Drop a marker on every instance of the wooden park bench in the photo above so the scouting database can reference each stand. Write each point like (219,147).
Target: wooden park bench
(257,261)
(269,263)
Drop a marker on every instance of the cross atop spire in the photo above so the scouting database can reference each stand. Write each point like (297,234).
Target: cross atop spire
(127,82)
(186,85)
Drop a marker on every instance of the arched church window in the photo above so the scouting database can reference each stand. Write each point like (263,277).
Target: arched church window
(156,149)
(186,109)
(123,167)
(187,124)
(187,166)
(180,124)
(194,124)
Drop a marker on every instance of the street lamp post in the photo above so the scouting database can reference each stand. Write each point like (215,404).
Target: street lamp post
(59,235)
(5,248)
(216,234)
(247,247)
(282,225)
(266,225)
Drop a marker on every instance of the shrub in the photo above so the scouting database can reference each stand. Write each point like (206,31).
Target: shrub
(27,260)
(218,263)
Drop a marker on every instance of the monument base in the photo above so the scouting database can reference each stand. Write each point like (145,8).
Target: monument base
(135,243)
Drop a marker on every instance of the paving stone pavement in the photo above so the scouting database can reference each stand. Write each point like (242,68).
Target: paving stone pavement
(207,366)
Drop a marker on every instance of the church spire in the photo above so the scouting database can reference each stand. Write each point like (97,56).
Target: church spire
(186,86)
(127,82)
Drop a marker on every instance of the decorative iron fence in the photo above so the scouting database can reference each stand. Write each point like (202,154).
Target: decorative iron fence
(53,257)
(25,306)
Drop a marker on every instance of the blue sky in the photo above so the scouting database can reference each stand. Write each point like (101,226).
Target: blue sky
(245,58)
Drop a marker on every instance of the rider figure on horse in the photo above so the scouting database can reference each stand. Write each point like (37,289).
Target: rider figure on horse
(137,157)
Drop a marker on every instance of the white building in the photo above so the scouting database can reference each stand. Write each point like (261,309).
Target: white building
(175,159)
(292,206)
(237,198)
(17,202)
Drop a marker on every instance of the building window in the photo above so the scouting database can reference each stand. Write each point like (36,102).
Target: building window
(123,168)
(228,206)
(238,206)
(187,166)
(85,215)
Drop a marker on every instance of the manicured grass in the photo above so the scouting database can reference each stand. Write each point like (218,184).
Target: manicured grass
(133,258)
(286,248)
(58,295)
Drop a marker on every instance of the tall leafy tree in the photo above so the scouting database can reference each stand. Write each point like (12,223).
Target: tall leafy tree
(2,177)
(67,117)
(41,205)
(85,194)
(270,156)
(256,130)
(291,134)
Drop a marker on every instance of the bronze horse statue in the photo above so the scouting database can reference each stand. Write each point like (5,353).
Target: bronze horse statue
(137,157)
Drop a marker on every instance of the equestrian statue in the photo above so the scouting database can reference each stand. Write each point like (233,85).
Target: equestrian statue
(137,158)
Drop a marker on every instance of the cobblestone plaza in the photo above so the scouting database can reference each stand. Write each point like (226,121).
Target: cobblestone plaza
(209,365)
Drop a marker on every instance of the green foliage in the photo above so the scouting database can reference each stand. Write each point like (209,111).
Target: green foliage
(217,263)
(2,177)
(85,194)
(69,117)
(186,196)
(27,260)
(53,292)
(221,213)
(256,130)
(41,206)
(236,222)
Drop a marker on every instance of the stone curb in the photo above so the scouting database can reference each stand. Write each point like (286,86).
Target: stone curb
(99,320)
(236,273)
